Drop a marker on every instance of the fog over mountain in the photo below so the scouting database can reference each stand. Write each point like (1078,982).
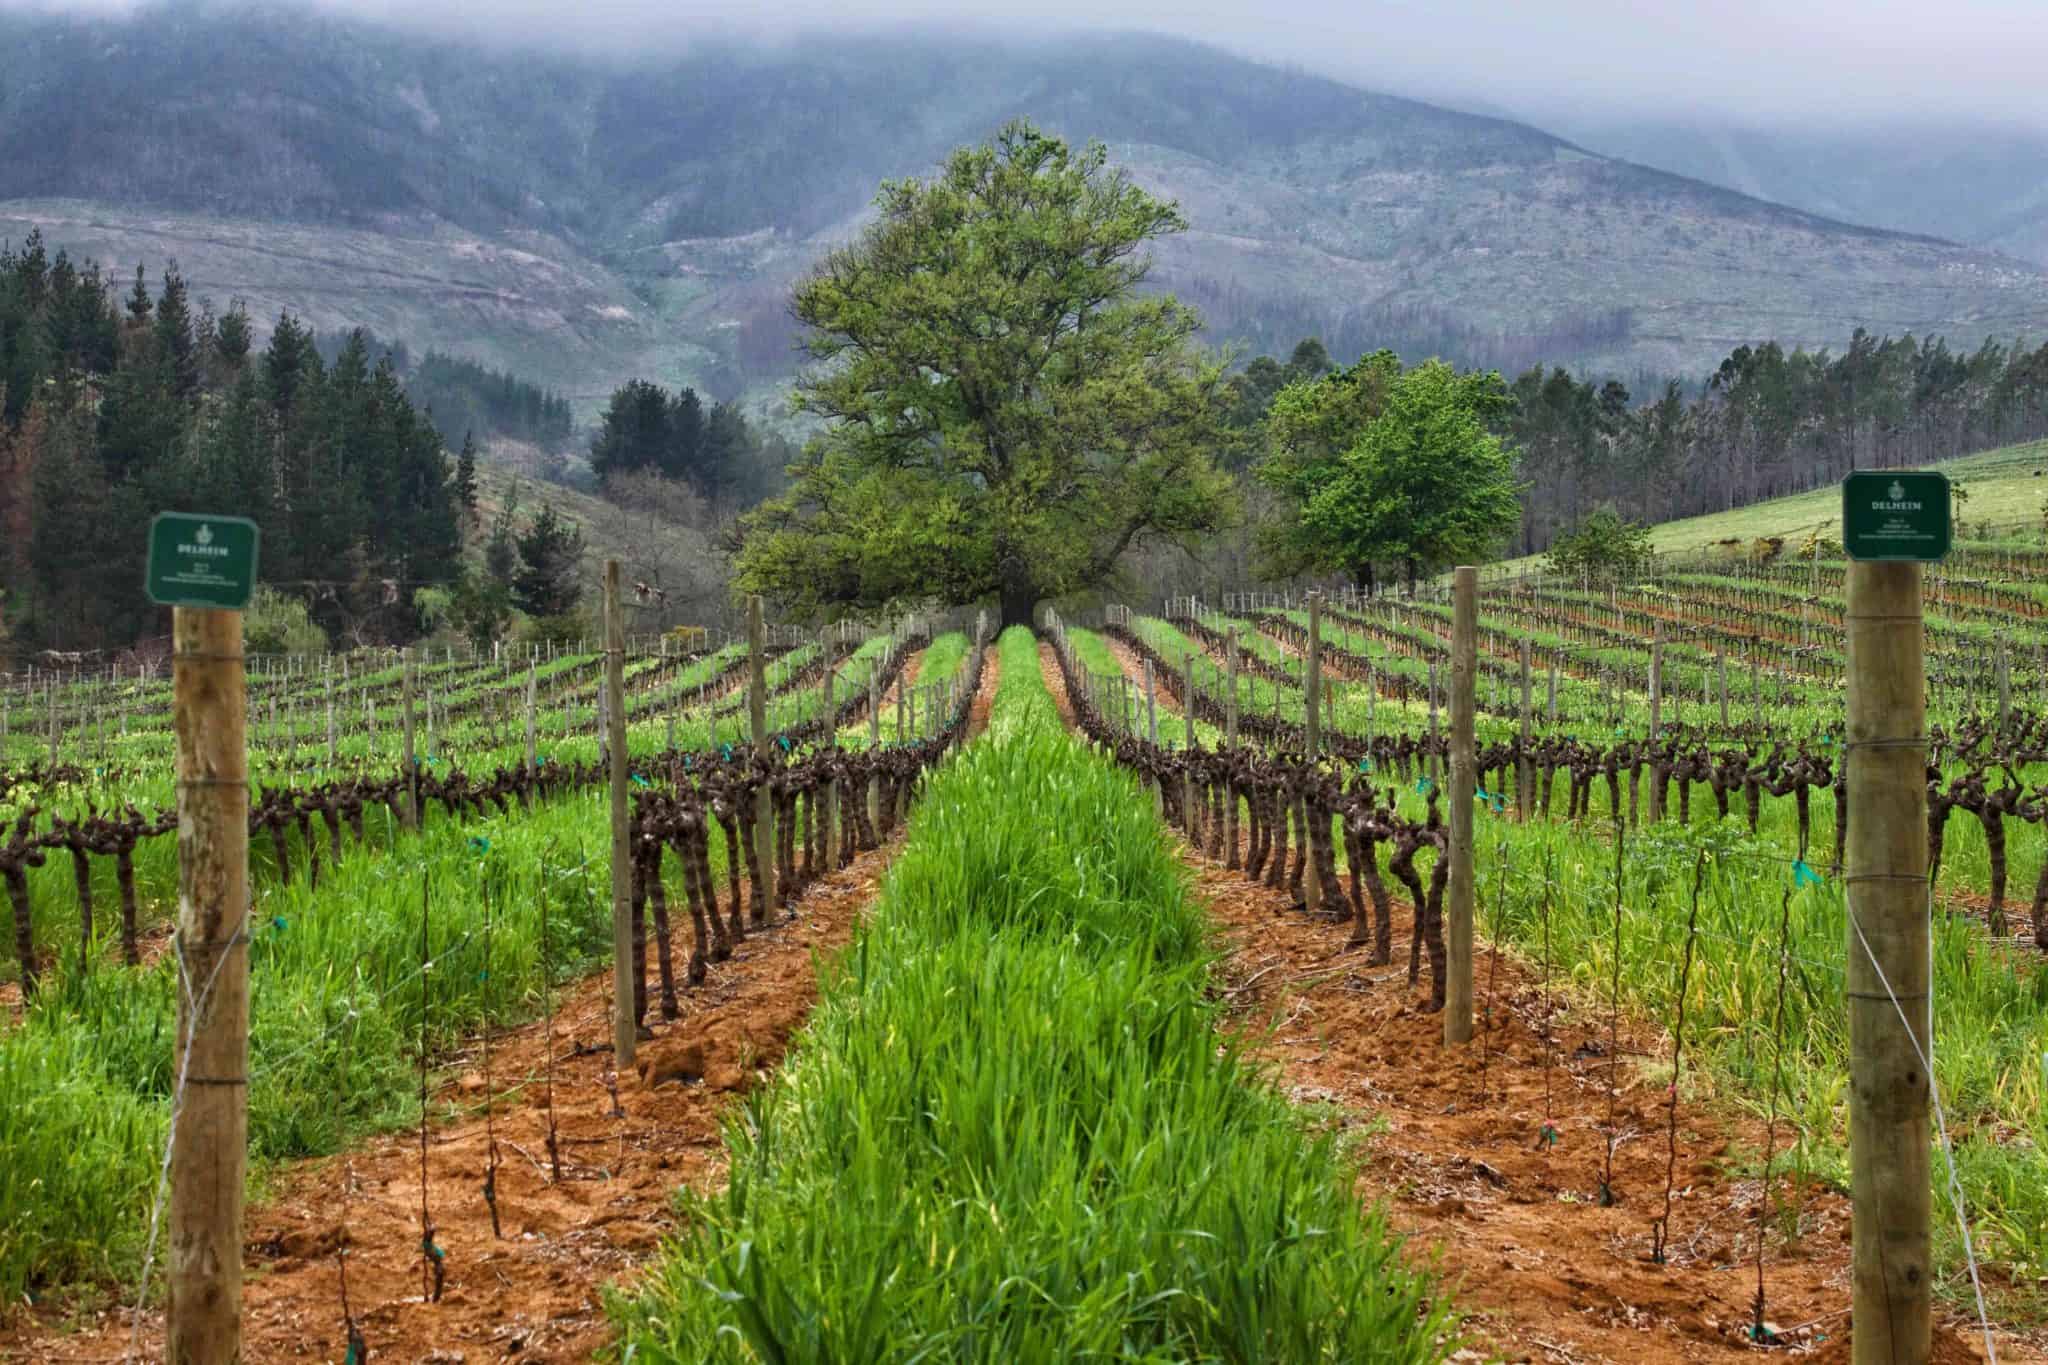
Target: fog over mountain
(632,189)
(1835,61)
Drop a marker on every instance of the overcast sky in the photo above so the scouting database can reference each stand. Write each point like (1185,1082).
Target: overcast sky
(1754,60)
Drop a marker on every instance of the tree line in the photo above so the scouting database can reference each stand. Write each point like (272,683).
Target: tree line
(1766,422)
(1000,420)
(712,450)
(116,406)
(466,400)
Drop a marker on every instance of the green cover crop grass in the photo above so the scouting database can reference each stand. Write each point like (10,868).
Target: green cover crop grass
(1010,1133)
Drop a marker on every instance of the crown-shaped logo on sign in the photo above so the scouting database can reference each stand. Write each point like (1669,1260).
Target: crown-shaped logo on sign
(204,535)
(1897,490)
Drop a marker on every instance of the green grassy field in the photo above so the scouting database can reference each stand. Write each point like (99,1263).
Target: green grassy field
(2005,488)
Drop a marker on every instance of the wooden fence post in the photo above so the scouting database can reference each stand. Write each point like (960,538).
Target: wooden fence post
(625,1023)
(209,1147)
(764,801)
(1889,975)
(1721,682)
(1312,714)
(1230,692)
(1656,714)
(1525,770)
(1458,913)
(410,766)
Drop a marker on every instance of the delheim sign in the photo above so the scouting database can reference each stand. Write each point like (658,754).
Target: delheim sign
(1895,516)
(200,561)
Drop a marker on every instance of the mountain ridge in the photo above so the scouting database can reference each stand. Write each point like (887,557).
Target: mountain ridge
(581,221)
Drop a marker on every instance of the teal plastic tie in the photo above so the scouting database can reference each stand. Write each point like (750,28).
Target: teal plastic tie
(279,923)
(480,844)
(1802,875)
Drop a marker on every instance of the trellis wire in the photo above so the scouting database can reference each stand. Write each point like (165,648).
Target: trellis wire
(1614,1022)
(1955,1188)
(1757,1331)
(1660,1229)
(195,1010)
(432,1259)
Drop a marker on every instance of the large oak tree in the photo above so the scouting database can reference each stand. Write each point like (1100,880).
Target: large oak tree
(1004,413)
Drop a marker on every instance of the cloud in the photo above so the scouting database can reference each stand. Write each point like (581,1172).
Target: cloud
(1762,61)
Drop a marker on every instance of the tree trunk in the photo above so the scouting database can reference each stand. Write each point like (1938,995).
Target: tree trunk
(1019,594)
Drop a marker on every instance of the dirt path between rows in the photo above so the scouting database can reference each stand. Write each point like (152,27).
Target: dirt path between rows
(985,694)
(1134,668)
(1455,1148)
(535,1295)
(1545,1272)
(906,678)
(1055,682)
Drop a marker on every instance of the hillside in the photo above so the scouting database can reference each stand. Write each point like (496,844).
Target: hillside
(1984,185)
(578,221)
(2005,494)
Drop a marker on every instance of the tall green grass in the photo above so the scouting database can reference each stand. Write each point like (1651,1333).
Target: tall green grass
(337,993)
(1990,1018)
(1010,1132)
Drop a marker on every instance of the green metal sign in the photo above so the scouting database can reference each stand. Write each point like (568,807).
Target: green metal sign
(1895,515)
(202,561)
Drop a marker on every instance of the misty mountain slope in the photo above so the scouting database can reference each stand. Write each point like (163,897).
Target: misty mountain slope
(1983,185)
(578,221)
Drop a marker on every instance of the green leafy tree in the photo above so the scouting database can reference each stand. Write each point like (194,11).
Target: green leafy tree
(480,608)
(1004,413)
(278,623)
(1604,547)
(1390,466)
(549,551)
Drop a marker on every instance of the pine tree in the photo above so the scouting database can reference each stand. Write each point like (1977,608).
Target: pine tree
(501,551)
(465,474)
(177,343)
(548,555)
(139,304)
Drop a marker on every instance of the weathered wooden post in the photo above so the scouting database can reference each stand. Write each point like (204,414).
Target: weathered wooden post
(205,568)
(209,1149)
(1525,769)
(874,792)
(1889,972)
(625,1024)
(828,792)
(1656,714)
(410,765)
(1312,735)
(532,720)
(1721,682)
(1901,519)
(1151,706)
(1429,759)
(1230,694)
(1458,914)
(2001,670)
(764,803)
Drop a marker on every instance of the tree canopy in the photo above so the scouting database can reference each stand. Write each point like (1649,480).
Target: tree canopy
(115,405)
(1382,465)
(1004,413)
(1603,548)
